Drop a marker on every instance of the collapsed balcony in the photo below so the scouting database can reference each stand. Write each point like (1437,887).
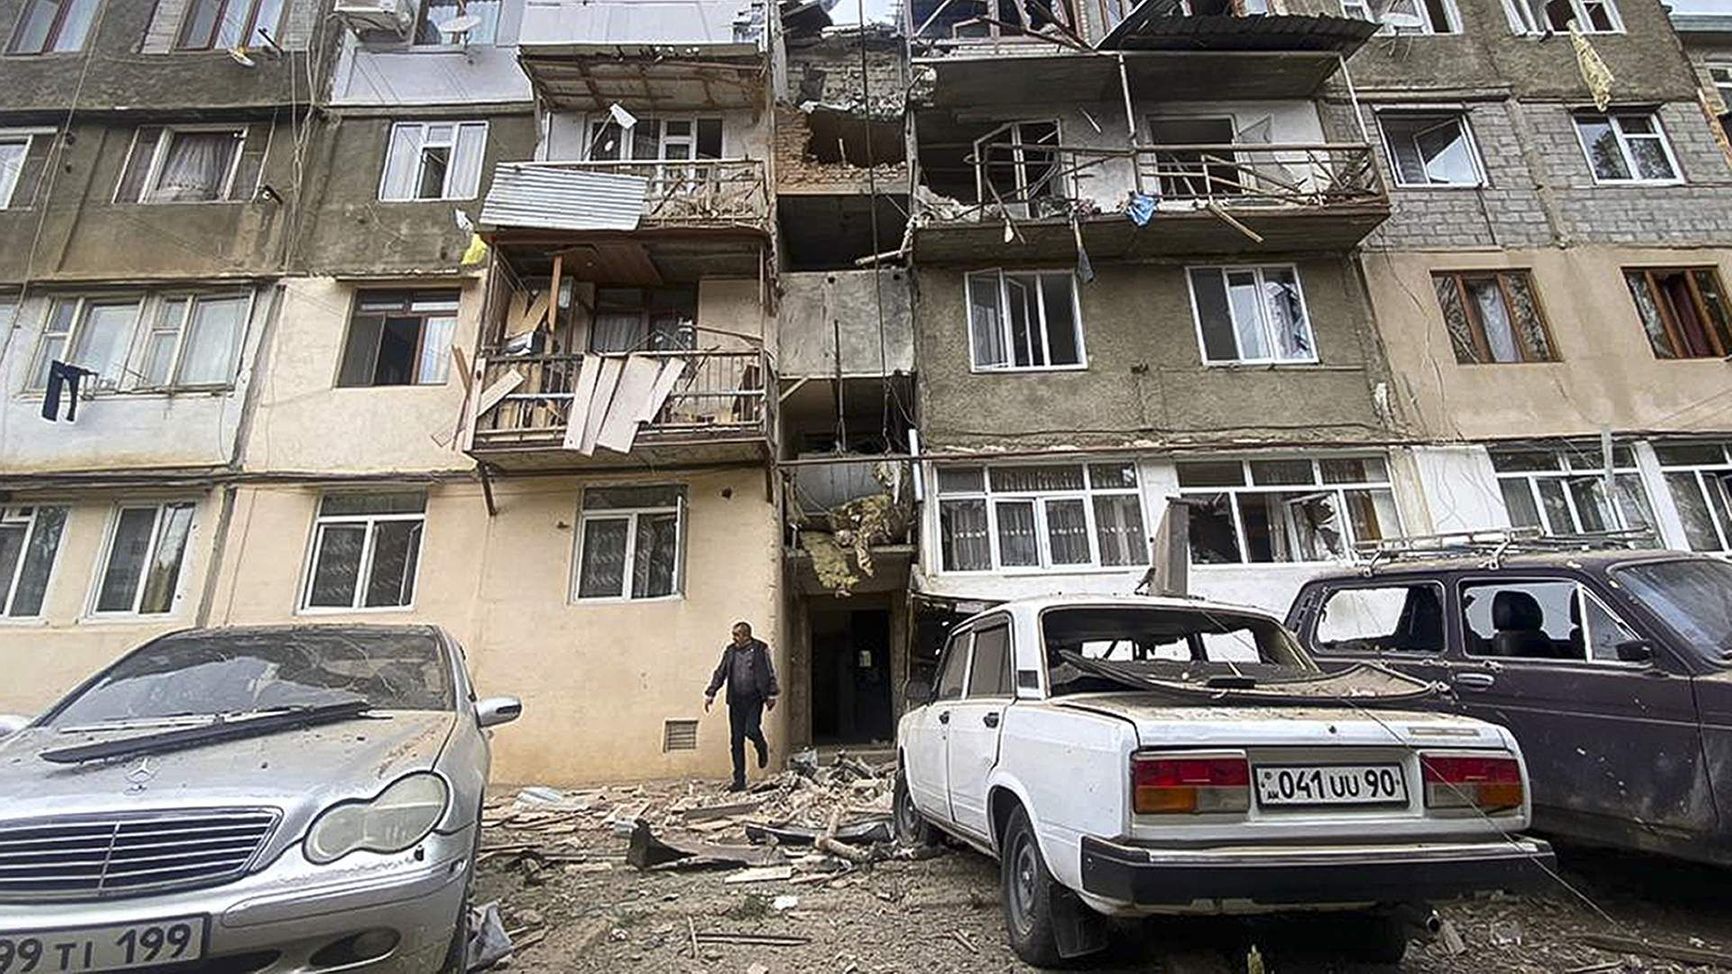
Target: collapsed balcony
(1146,200)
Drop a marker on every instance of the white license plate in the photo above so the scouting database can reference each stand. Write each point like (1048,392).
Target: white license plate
(1329,784)
(117,948)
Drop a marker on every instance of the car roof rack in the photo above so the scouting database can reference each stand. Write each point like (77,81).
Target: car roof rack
(1494,544)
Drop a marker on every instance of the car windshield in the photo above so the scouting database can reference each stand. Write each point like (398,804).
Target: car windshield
(200,674)
(1692,595)
(1198,643)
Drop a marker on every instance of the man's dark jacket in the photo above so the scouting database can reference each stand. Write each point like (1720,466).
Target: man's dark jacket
(748,676)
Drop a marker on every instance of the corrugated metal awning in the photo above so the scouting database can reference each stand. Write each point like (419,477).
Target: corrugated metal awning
(531,195)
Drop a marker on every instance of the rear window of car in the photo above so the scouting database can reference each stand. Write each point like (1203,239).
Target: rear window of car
(243,671)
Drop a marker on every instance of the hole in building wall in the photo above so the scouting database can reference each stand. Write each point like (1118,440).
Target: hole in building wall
(680,735)
(841,137)
(830,231)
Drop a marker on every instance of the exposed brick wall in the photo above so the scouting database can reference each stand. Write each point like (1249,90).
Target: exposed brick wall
(830,72)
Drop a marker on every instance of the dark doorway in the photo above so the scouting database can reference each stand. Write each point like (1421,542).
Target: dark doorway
(851,676)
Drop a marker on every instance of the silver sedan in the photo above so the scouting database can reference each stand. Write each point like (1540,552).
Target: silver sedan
(270,799)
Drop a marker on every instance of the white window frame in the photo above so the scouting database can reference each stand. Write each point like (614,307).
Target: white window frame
(1366,10)
(1317,486)
(105,554)
(1057,186)
(1266,324)
(149,324)
(159,154)
(1082,362)
(1566,473)
(1460,117)
(80,318)
(1699,473)
(1614,118)
(364,573)
(452,173)
(1583,22)
(1039,499)
(9,586)
(680,509)
(9,184)
(594,125)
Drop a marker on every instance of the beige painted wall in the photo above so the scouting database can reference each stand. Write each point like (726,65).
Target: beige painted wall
(1607,374)
(597,680)
(304,423)
(46,656)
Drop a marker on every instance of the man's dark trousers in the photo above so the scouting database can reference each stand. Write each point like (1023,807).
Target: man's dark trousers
(746,721)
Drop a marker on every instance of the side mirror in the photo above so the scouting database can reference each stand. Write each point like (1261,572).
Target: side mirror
(917,693)
(493,711)
(1635,651)
(12,724)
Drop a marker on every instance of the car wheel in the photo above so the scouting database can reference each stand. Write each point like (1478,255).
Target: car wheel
(1376,938)
(912,828)
(1028,894)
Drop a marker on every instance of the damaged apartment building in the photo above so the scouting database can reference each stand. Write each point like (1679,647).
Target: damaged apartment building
(584,329)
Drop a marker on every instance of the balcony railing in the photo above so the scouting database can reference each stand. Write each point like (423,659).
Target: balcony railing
(717,395)
(697,192)
(1052,181)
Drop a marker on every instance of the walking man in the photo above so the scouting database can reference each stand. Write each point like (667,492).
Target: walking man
(752,689)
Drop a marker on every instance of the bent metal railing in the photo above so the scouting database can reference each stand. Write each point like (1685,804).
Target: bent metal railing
(716,394)
(692,192)
(1050,180)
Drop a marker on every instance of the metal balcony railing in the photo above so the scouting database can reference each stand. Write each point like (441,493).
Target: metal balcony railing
(695,192)
(1047,180)
(718,394)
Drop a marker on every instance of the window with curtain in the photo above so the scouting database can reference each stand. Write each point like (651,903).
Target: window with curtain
(1024,320)
(433,161)
(194,340)
(1251,315)
(141,566)
(1563,490)
(1699,478)
(181,165)
(1049,516)
(366,548)
(29,539)
(53,26)
(399,338)
(1684,310)
(1627,147)
(1493,316)
(1289,509)
(630,543)
(636,319)
(212,24)
(94,333)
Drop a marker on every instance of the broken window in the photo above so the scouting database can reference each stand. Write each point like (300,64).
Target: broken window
(210,24)
(637,319)
(1053,516)
(1251,315)
(14,152)
(187,164)
(440,13)
(1407,16)
(1382,619)
(656,140)
(1430,149)
(1699,476)
(986,19)
(630,542)
(141,568)
(366,547)
(1539,619)
(29,538)
(53,26)
(1564,491)
(194,340)
(1721,75)
(1018,164)
(92,333)
(433,161)
(399,338)
(1024,320)
(1684,310)
(1196,173)
(1626,147)
(1286,510)
(1589,16)
(1493,316)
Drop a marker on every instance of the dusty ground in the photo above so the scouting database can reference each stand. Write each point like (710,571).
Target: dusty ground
(579,908)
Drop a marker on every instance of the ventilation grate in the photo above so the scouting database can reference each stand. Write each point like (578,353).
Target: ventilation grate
(680,735)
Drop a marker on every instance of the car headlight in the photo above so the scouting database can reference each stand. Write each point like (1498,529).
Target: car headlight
(399,817)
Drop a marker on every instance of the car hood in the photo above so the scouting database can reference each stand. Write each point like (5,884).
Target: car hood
(300,771)
(1160,722)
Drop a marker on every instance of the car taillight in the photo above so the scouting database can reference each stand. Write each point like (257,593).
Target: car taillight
(1490,784)
(1167,784)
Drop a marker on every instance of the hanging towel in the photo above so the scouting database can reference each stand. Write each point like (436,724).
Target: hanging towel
(1140,207)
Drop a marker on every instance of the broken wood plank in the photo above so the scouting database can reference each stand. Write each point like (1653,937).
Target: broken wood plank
(577,415)
(752,939)
(760,874)
(692,928)
(1633,945)
(494,394)
(720,811)
(606,382)
(637,379)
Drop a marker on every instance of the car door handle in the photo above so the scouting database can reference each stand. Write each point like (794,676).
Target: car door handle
(944,716)
(990,720)
(1475,681)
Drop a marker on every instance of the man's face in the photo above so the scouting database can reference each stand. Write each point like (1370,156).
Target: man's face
(741,635)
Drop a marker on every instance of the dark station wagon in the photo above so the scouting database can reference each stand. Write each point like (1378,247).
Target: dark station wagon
(1613,668)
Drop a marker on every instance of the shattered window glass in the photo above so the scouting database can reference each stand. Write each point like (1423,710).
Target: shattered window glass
(1308,521)
(1382,619)
(1430,149)
(1251,315)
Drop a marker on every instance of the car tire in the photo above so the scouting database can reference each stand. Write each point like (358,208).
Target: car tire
(1376,938)
(1028,892)
(912,828)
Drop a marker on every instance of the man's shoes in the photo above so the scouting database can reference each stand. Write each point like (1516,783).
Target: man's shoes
(763,757)
(737,786)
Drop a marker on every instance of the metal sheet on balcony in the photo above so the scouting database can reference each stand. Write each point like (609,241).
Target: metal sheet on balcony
(1157,25)
(662,22)
(527,195)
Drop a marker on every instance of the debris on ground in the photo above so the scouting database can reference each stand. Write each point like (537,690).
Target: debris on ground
(488,942)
